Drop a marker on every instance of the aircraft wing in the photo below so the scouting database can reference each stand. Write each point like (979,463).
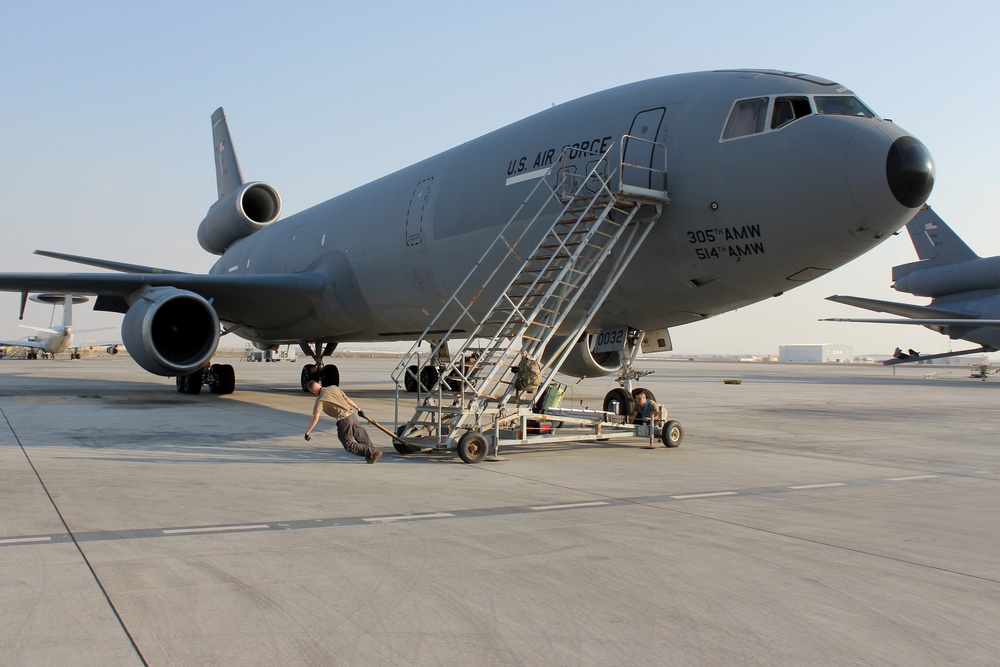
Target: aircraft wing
(922,321)
(104,263)
(251,300)
(36,344)
(909,310)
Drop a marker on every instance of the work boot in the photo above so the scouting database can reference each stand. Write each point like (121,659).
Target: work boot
(376,455)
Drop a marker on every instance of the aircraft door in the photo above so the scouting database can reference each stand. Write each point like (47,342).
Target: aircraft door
(418,213)
(641,155)
(418,270)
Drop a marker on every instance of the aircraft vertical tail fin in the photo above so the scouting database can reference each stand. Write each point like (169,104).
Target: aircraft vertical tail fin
(64,300)
(935,242)
(228,176)
(67,320)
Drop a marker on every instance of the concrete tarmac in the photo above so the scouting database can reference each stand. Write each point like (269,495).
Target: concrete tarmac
(813,515)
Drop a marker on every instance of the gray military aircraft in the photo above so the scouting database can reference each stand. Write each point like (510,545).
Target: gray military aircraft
(57,339)
(775,178)
(964,290)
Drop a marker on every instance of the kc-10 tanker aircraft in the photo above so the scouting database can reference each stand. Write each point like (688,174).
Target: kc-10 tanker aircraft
(774,178)
(964,290)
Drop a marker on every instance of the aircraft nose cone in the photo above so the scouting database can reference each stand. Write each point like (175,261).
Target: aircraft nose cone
(909,169)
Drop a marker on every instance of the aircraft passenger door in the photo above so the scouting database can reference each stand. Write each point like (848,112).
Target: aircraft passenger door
(641,156)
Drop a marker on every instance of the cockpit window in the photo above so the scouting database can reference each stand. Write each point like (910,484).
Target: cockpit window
(787,109)
(747,117)
(842,105)
(750,116)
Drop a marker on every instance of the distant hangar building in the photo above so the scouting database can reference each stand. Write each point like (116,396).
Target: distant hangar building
(816,353)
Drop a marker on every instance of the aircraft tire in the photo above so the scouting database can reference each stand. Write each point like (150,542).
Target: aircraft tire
(410,379)
(331,376)
(671,434)
(621,401)
(428,377)
(307,376)
(472,447)
(225,379)
(649,394)
(190,383)
(400,447)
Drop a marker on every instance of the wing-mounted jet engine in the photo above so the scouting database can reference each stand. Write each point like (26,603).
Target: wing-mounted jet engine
(169,331)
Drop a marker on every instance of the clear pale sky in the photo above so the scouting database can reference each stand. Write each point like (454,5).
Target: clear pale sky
(105,139)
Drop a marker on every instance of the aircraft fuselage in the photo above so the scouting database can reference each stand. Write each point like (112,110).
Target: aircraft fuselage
(750,216)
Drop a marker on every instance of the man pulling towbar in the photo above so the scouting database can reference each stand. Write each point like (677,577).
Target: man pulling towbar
(334,402)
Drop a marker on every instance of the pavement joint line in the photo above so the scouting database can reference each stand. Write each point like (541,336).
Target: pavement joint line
(14,541)
(408,517)
(541,508)
(215,529)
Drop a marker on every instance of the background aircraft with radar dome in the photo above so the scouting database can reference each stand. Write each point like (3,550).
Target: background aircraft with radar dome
(57,338)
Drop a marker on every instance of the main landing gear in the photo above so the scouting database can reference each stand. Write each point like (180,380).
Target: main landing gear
(220,379)
(326,374)
(423,378)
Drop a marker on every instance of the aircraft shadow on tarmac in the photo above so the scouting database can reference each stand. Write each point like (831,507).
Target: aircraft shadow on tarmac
(236,432)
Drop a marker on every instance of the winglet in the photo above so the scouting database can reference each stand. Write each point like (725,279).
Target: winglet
(228,176)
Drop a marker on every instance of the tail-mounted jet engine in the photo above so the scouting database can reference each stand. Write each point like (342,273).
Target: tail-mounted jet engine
(170,331)
(249,209)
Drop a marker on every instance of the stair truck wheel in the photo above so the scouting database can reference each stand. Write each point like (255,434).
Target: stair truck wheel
(672,433)
(472,447)
(401,447)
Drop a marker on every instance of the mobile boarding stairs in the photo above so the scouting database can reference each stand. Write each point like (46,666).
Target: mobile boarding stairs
(498,387)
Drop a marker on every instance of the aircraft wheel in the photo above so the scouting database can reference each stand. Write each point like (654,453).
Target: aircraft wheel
(190,383)
(331,376)
(428,377)
(401,447)
(225,379)
(308,375)
(410,379)
(672,433)
(649,394)
(619,402)
(472,447)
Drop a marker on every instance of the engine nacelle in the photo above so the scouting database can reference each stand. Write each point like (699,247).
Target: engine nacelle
(249,209)
(112,349)
(582,362)
(170,331)
(969,276)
